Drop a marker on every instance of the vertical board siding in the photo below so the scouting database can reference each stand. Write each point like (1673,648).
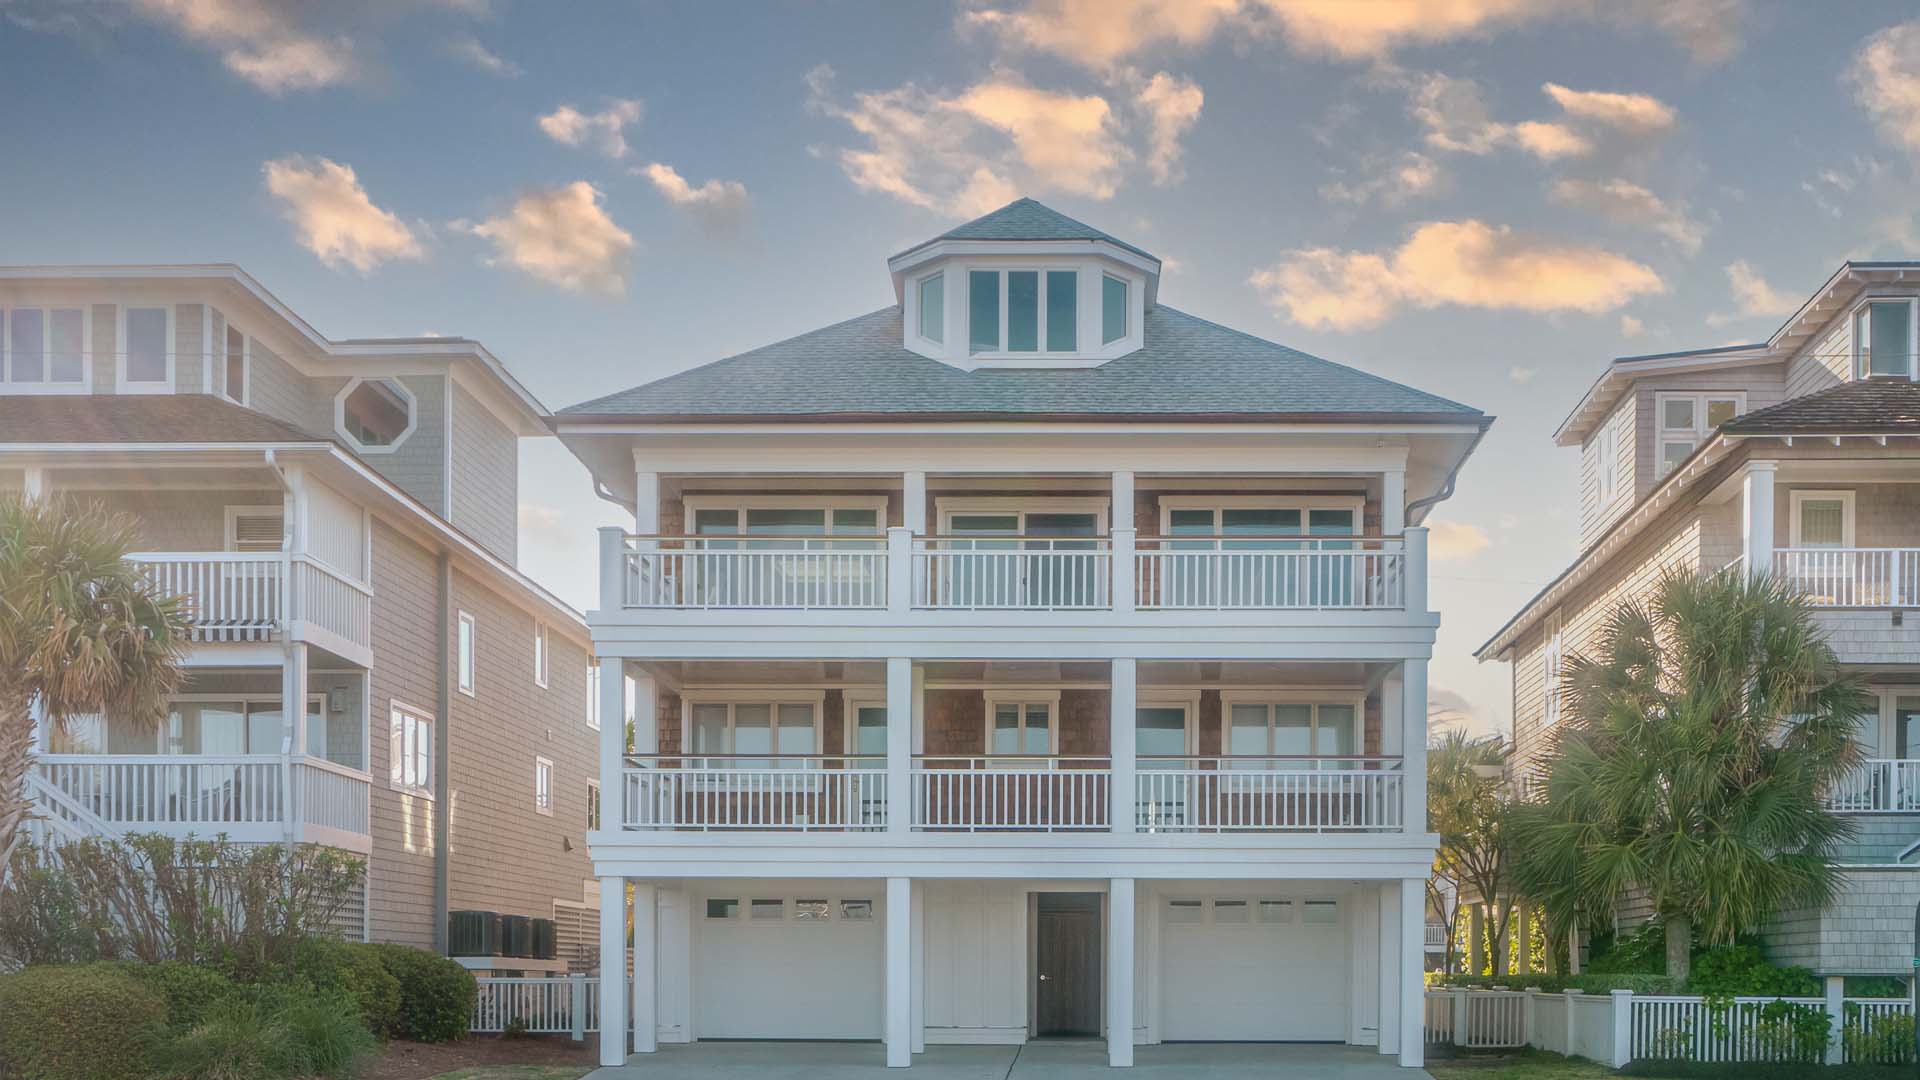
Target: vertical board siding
(485,480)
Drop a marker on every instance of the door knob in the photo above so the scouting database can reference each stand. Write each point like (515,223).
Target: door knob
(1044,978)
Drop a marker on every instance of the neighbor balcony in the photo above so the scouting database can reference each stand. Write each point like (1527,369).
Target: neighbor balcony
(1878,786)
(254,798)
(239,596)
(1852,577)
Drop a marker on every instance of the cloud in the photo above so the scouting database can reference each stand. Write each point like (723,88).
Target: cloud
(1171,104)
(1521,376)
(561,236)
(1452,541)
(1099,32)
(605,130)
(1549,141)
(969,152)
(260,41)
(1631,327)
(721,206)
(1886,82)
(1450,263)
(1629,112)
(468,49)
(1752,296)
(333,217)
(1629,203)
(1456,119)
(1389,182)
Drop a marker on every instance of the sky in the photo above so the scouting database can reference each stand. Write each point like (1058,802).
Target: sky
(1486,199)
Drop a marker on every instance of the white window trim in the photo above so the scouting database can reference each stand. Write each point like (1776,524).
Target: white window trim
(1100,305)
(340,414)
(692,505)
(945,507)
(1913,334)
(914,312)
(850,706)
(1187,701)
(246,365)
(815,700)
(595,808)
(1801,495)
(395,707)
(1315,698)
(235,513)
(1302,503)
(1002,354)
(121,383)
(1550,660)
(542,655)
(316,702)
(1887,704)
(593,693)
(540,765)
(467,667)
(997,696)
(1662,434)
(47,388)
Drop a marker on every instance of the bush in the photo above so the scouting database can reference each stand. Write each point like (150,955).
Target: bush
(353,970)
(1886,1039)
(1741,970)
(326,1033)
(1642,952)
(1876,986)
(76,1023)
(191,993)
(283,1032)
(436,994)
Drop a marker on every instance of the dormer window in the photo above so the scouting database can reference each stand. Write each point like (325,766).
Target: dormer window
(933,307)
(1113,309)
(1005,312)
(1883,338)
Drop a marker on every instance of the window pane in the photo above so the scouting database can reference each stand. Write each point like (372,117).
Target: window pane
(1113,310)
(65,361)
(709,729)
(870,731)
(1866,732)
(1888,337)
(1293,729)
(1822,522)
(1906,729)
(27,334)
(1275,911)
(1673,453)
(1190,522)
(1337,735)
(855,522)
(752,729)
(213,728)
(1160,731)
(791,522)
(1322,912)
(933,308)
(317,739)
(716,523)
(236,363)
(983,310)
(1229,912)
(810,910)
(796,729)
(856,910)
(1720,410)
(722,909)
(1063,310)
(1330,523)
(1248,733)
(466,654)
(146,345)
(1037,733)
(767,910)
(1676,414)
(1259,521)
(266,728)
(1006,729)
(1023,310)
(376,412)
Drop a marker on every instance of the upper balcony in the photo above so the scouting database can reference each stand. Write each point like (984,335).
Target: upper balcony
(244,596)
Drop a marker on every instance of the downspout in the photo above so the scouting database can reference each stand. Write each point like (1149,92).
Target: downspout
(443,705)
(1446,489)
(290,499)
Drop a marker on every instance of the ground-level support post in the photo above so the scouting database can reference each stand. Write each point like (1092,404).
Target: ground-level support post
(1413,982)
(1620,1044)
(1120,965)
(646,1018)
(613,971)
(1390,961)
(1836,1019)
(899,970)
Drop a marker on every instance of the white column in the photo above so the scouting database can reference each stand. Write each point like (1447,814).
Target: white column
(293,707)
(646,979)
(646,503)
(613,568)
(1393,502)
(1413,735)
(1756,517)
(899,745)
(1390,959)
(1125,570)
(613,741)
(1414,571)
(613,971)
(1120,965)
(1122,749)
(1413,987)
(34,482)
(1121,513)
(899,571)
(918,979)
(1836,1016)
(899,995)
(913,502)
(1523,938)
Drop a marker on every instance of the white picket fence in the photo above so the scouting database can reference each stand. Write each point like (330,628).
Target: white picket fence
(1621,1027)
(567,1005)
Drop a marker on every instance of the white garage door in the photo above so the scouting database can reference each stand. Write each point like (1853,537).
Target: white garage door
(793,966)
(1254,968)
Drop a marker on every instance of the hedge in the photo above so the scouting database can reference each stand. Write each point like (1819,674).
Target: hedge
(77,1023)
(436,994)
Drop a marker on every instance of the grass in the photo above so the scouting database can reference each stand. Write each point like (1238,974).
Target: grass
(516,1072)
(1532,1065)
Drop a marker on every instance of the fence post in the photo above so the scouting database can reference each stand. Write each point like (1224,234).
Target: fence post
(1621,1050)
(1527,1016)
(1567,1049)
(1836,1019)
(1459,1017)
(577,988)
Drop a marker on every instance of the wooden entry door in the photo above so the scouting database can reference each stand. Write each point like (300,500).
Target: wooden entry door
(1067,965)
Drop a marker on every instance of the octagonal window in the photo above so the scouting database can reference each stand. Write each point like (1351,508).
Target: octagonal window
(375,414)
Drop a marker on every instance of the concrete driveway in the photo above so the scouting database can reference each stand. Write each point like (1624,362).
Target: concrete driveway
(1035,1061)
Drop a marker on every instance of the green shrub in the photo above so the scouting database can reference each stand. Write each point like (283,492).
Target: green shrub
(1876,986)
(281,1031)
(1742,970)
(1642,952)
(191,993)
(76,1023)
(1605,983)
(355,971)
(436,994)
(327,1032)
(1885,1039)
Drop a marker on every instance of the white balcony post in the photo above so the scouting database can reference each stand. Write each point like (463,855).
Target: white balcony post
(577,1007)
(293,710)
(899,571)
(613,742)
(1120,949)
(899,970)
(1389,968)
(1124,573)
(1413,753)
(646,950)
(1756,517)
(1413,571)
(1836,1002)
(913,502)
(1413,983)
(1393,502)
(899,747)
(613,569)
(1620,1030)
(918,1019)
(1122,750)
(613,970)
(646,503)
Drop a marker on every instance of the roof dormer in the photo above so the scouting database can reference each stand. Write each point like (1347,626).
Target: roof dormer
(1024,287)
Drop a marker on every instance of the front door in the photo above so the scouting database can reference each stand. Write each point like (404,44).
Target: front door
(1067,965)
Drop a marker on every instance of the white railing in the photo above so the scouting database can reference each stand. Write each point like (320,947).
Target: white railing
(1027,793)
(58,817)
(1852,577)
(1271,573)
(330,601)
(544,1006)
(1436,935)
(1242,793)
(1879,786)
(138,792)
(999,573)
(1863,1016)
(229,595)
(757,572)
(1750,1029)
(1479,1020)
(801,792)
(331,796)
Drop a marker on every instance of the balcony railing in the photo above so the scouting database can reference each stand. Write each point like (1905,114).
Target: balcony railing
(799,792)
(1044,573)
(1852,577)
(1019,792)
(1436,935)
(244,596)
(1218,573)
(1269,794)
(761,572)
(1880,786)
(252,797)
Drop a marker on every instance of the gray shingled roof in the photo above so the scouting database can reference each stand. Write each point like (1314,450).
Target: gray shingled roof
(1025,219)
(1189,367)
(140,418)
(1863,406)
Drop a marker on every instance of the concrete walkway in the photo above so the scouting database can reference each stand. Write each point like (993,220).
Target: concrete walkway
(1045,1060)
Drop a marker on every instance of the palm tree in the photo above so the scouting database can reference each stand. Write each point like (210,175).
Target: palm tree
(1465,809)
(82,632)
(1698,742)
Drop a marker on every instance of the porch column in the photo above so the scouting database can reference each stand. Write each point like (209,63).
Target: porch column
(899,980)
(1122,539)
(1756,517)
(899,747)
(293,712)
(613,970)
(1413,985)
(1391,957)
(613,740)
(1122,748)
(1393,502)
(1120,973)
(1413,735)
(646,953)
(913,502)
(917,1021)
(646,503)
(1523,939)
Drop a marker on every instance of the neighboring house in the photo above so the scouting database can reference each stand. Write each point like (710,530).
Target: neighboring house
(1025,658)
(341,517)
(1795,456)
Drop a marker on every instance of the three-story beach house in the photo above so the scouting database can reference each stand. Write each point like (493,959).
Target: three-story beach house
(1025,658)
